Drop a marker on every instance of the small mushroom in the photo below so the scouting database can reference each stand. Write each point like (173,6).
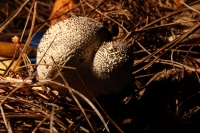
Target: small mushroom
(113,59)
(112,63)
(83,43)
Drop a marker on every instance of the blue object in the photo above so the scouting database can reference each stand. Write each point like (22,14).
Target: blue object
(34,43)
(36,39)
(33,60)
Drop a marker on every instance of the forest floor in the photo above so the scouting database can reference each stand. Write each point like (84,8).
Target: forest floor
(164,95)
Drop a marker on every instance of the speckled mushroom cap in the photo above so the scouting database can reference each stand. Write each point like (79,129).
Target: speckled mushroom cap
(113,59)
(112,66)
(70,42)
(83,43)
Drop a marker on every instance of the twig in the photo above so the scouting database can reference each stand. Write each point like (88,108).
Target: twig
(173,43)
(74,97)
(29,36)
(39,124)
(4,119)
(3,25)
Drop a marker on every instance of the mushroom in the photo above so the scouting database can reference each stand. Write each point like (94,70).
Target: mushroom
(83,43)
(112,64)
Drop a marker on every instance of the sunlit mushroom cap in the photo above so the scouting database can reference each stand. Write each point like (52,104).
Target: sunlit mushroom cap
(70,42)
(85,44)
(113,59)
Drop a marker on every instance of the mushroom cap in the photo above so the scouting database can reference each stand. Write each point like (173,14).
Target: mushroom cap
(112,66)
(81,42)
(113,59)
(70,42)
